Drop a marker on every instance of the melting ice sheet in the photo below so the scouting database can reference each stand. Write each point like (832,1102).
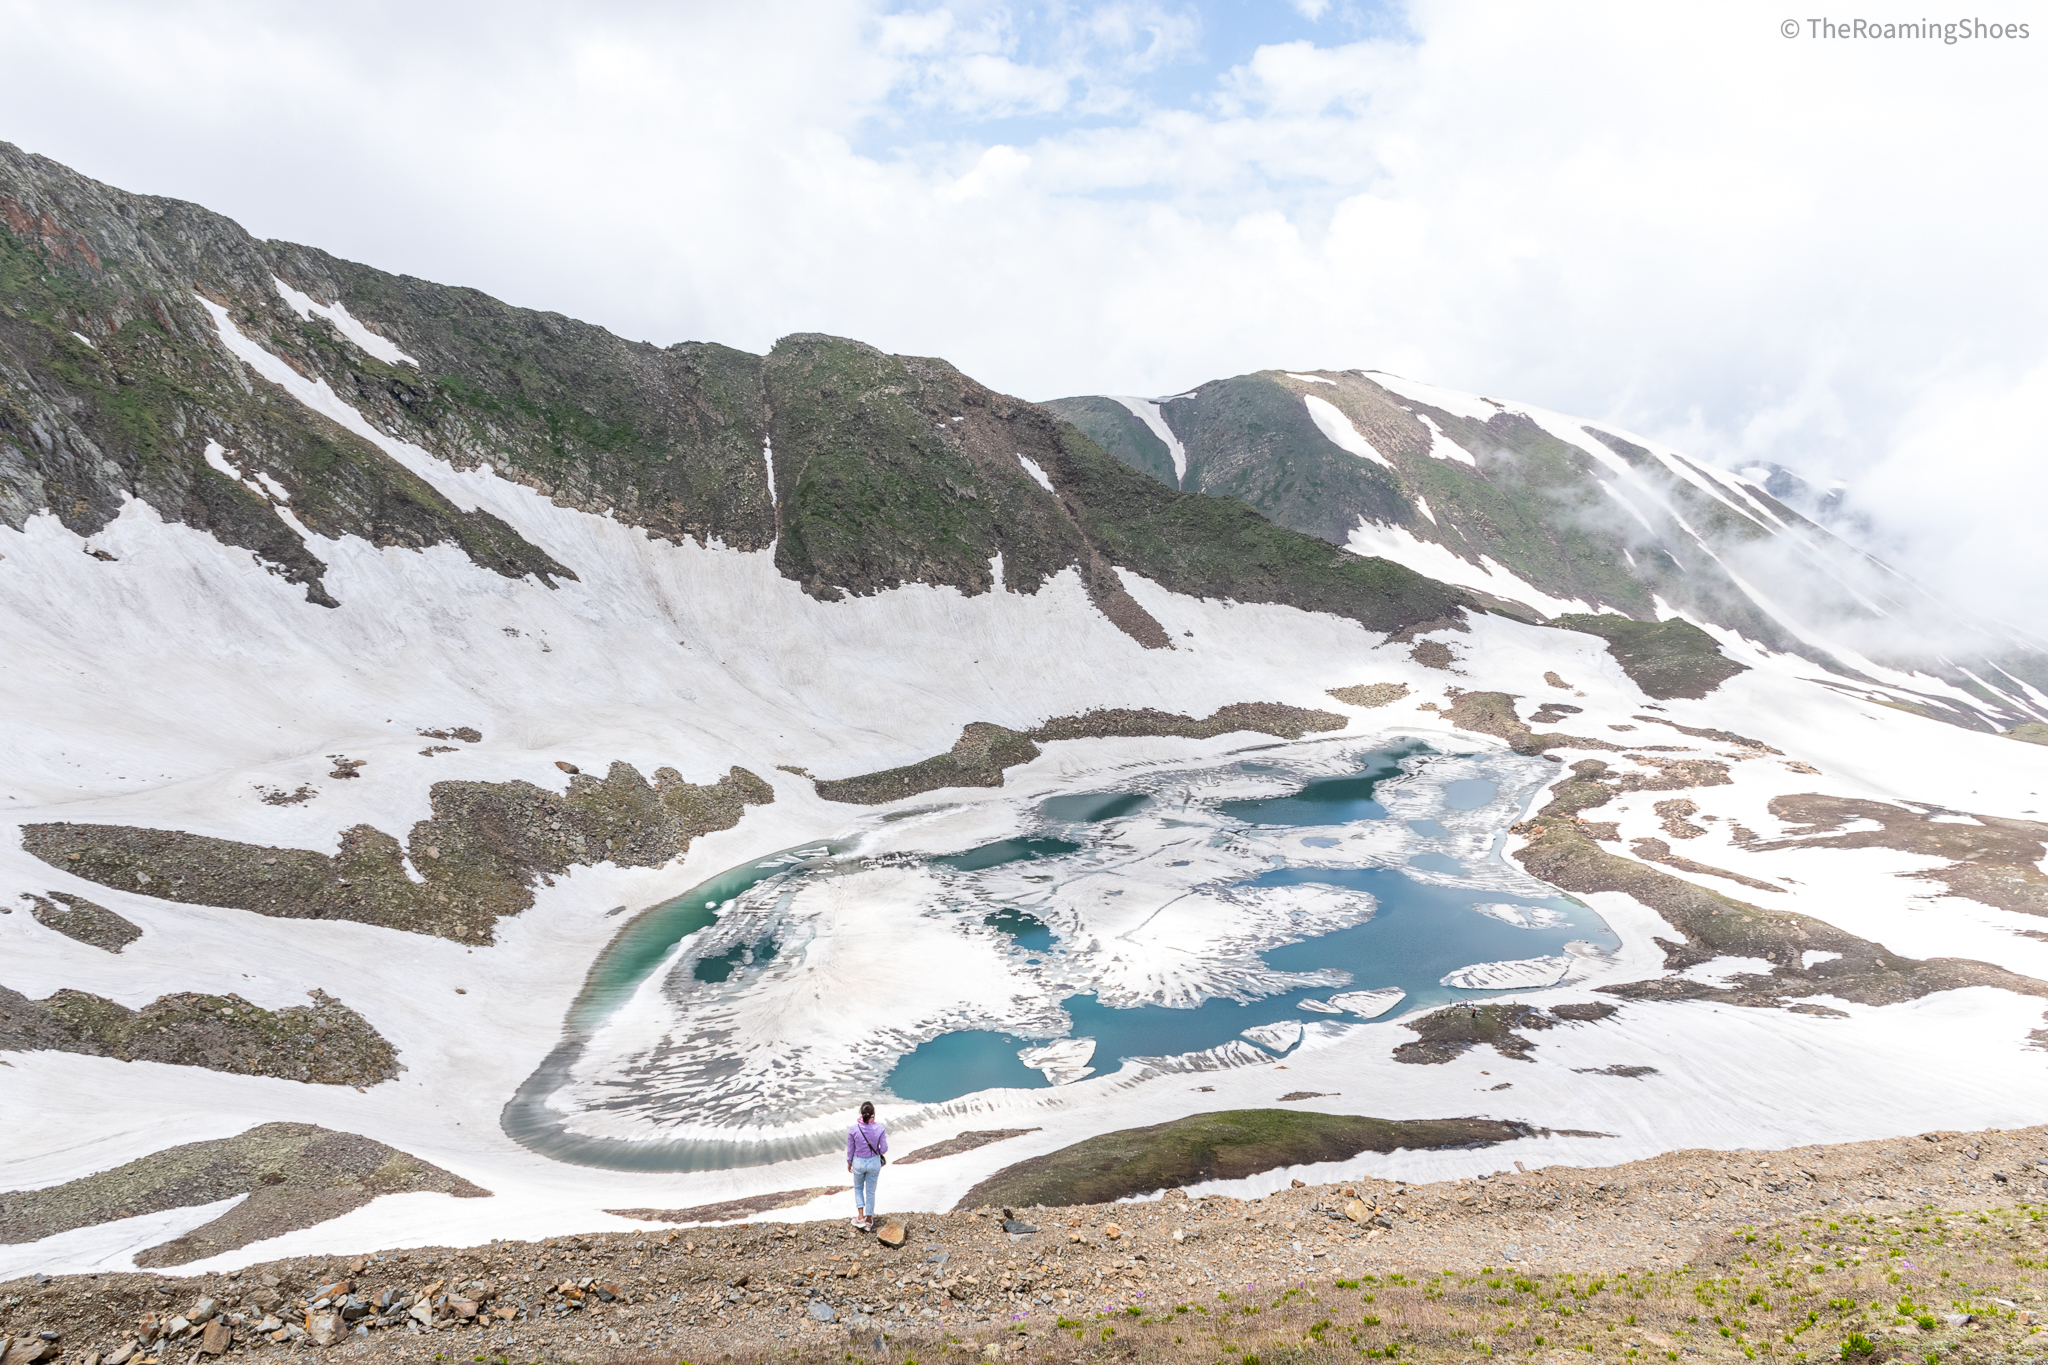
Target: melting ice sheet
(1178,917)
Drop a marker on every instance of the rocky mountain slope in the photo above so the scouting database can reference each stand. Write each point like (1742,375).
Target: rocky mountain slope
(863,471)
(1568,517)
(633,753)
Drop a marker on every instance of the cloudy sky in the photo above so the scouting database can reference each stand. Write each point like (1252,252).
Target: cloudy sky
(1826,252)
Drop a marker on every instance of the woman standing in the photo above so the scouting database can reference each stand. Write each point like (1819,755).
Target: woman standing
(867,1148)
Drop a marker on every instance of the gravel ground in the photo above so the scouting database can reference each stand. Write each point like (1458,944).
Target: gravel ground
(763,1290)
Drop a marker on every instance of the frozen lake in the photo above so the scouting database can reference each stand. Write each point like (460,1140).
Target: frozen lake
(1168,917)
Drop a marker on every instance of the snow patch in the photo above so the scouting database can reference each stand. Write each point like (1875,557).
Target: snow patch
(1063,1062)
(1280,1037)
(86,339)
(1147,411)
(109,1248)
(1443,400)
(268,488)
(1308,378)
(1813,956)
(1036,472)
(369,341)
(1370,1004)
(1506,976)
(1422,505)
(1335,425)
(1523,916)
(1723,969)
(1387,541)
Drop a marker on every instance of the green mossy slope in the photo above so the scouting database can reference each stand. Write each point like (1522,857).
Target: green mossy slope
(1229,1145)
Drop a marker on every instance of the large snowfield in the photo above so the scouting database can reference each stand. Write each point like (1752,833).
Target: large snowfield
(173,685)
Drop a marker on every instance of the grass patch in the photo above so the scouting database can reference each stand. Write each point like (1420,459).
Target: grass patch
(1227,1145)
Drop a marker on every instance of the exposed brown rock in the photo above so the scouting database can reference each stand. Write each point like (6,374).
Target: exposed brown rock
(1370,694)
(325,1043)
(1433,654)
(1257,717)
(965,1142)
(1674,815)
(81,919)
(1456,1029)
(478,857)
(978,757)
(1493,713)
(295,1174)
(1996,861)
(732,1210)
(1718,736)
(1561,851)
(1657,851)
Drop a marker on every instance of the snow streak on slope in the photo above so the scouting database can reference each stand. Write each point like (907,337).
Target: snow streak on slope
(1386,541)
(371,343)
(1146,410)
(1342,434)
(1785,581)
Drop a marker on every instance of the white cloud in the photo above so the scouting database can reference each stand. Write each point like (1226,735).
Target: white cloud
(1671,218)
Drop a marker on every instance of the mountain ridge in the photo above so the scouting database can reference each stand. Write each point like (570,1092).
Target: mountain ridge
(886,469)
(1568,517)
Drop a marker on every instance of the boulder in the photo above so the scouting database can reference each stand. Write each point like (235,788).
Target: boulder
(821,1311)
(892,1233)
(1356,1211)
(203,1310)
(216,1339)
(325,1328)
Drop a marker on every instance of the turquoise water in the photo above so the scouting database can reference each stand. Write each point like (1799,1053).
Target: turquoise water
(955,1064)
(642,945)
(630,958)
(1469,793)
(1418,933)
(1093,807)
(1007,851)
(1028,930)
(720,968)
(1333,801)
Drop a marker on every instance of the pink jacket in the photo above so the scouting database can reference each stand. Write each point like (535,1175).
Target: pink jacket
(866,1139)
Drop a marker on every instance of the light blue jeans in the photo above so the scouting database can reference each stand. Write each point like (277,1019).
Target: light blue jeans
(865,1169)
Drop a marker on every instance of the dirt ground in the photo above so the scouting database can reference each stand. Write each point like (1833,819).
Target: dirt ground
(1631,1262)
